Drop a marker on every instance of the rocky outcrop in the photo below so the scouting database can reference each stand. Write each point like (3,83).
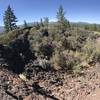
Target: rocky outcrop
(16,54)
(22,46)
(12,58)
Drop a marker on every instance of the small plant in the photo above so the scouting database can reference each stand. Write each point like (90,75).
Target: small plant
(46,50)
(44,32)
(64,61)
(6,38)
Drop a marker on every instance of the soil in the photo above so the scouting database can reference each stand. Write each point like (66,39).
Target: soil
(43,85)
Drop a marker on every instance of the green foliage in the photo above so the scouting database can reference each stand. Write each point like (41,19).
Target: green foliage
(81,39)
(41,23)
(60,14)
(65,61)
(96,57)
(44,31)
(63,23)
(9,20)
(25,24)
(6,38)
(86,27)
(46,50)
(94,27)
(68,51)
(34,36)
(46,22)
(89,48)
(58,61)
(36,25)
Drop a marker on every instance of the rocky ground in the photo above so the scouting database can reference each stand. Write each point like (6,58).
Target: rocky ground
(50,85)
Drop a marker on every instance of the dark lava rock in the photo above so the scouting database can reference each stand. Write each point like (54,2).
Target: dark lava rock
(12,58)
(22,46)
(16,54)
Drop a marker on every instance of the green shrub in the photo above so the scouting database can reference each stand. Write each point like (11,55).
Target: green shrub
(7,37)
(46,50)
(64,61)
(58,61)
(89,48)
(95,57)
(44,31)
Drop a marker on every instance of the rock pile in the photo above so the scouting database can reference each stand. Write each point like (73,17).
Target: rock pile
(16,54)
(12,58)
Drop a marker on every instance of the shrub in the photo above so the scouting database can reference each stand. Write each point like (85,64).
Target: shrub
(89,48)
(64,61)
(58,61)
(7,37)
(95,56)
(44,32)
(46,50)
(71,43)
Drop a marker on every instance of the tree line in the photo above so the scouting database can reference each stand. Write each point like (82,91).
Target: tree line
(10,20)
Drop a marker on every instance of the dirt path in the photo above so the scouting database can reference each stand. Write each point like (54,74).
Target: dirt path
(94,95)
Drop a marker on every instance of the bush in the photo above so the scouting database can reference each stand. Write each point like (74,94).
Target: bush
(71,43)
(46,50)
(64,61)
(89,48)
(44,32)
(58,61)
(95,56)
(7,37)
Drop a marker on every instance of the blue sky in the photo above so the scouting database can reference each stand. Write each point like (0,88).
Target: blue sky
(33,10)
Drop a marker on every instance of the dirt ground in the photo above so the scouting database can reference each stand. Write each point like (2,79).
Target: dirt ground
(51,86)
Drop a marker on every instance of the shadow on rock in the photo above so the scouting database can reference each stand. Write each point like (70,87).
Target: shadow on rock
(12,58)
(40,91)
(17,53)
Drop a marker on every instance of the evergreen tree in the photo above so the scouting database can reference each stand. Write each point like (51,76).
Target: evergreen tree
(37,25)
(9,20)
(63,23)
(60,14)
(67,24)
(94,27)
(86,27)
(46,22)
(25,24)
(41,23)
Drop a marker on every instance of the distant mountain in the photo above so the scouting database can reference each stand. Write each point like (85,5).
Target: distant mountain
(52,23)
(83,23)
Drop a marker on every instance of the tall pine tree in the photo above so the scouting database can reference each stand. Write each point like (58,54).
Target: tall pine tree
(46,22)
(9,20)
(41,23)
(25,24)
(63,23)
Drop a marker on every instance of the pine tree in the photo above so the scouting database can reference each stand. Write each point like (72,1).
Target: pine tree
(25,24)
(86,27)
(37,25)
(60,14)
(9,20)
(63,23)
(94,27)
(46,22)
(67,24)
(41,23)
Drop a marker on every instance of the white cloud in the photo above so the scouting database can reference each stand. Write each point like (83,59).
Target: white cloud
(53,20)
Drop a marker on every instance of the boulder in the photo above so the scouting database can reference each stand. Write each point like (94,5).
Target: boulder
(17,53)
(12,58)
(22,46)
